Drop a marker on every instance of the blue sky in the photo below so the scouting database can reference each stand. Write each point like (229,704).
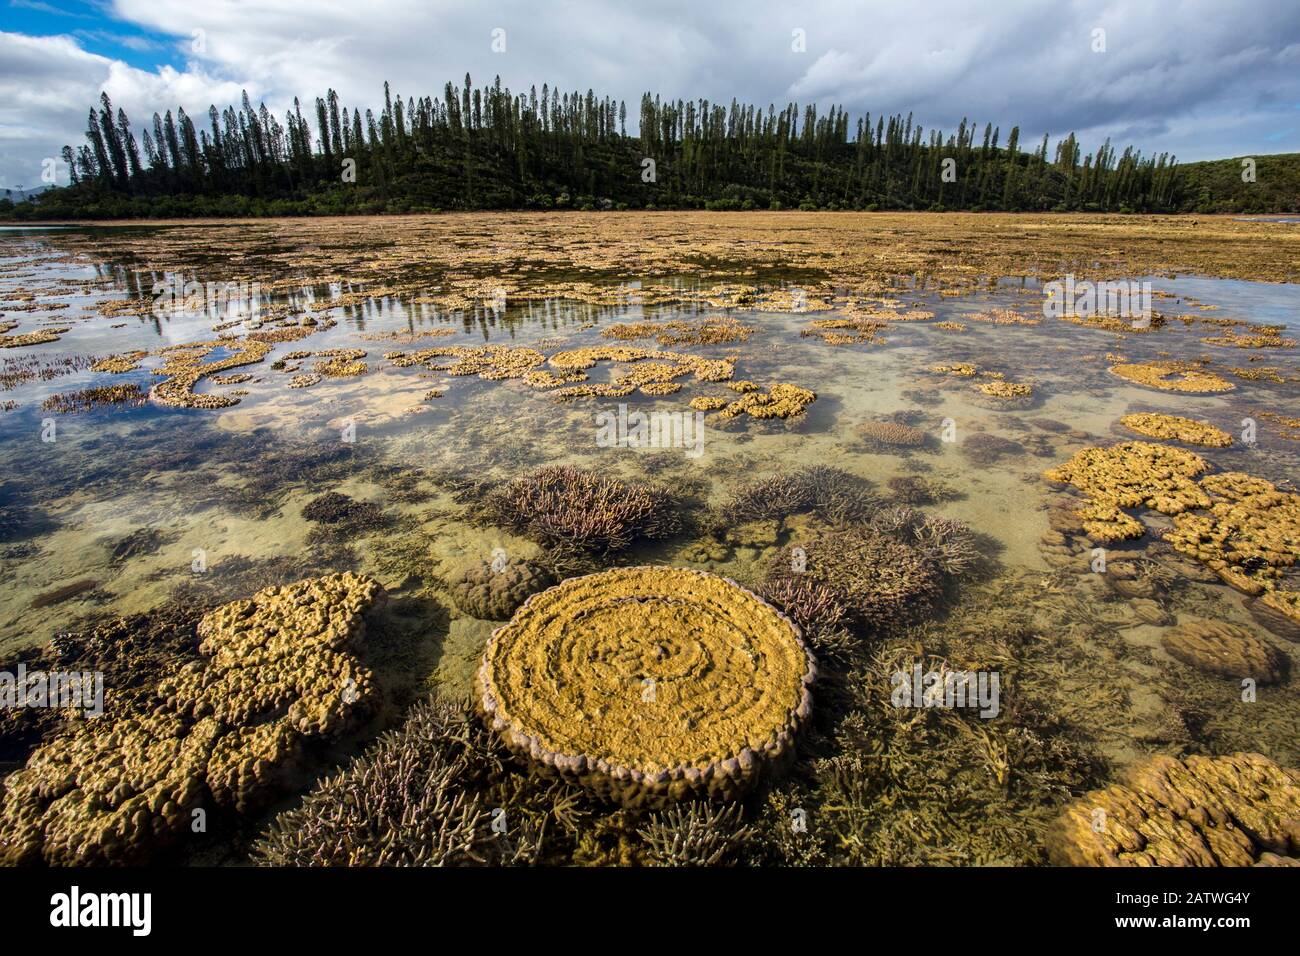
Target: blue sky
(95,28)
(1198,78)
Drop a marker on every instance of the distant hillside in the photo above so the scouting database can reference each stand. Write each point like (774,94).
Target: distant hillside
(1217,186)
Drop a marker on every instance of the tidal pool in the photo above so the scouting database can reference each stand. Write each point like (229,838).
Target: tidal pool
(111,507)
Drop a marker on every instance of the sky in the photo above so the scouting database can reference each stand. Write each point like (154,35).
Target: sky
(1201,79)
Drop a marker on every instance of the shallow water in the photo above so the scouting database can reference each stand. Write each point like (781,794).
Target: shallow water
(225,488)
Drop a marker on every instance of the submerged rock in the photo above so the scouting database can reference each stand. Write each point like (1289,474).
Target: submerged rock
(1225,650)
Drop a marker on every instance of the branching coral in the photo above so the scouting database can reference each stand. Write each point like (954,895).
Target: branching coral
(696,834)
(833,493)
(412,799)
(649,684)
(1238,810)
(569,506)
(881,580)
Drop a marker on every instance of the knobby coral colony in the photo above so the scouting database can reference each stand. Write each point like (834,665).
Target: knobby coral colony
(649,684)
(1237,810)
(1173,377)
(1176,428)
(890,435)
(275,673)
(569,506)
(1243,528)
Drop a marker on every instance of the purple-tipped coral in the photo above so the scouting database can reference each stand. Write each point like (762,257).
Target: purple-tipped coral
(835,494)
(412,799)
(570,506)
(881,580)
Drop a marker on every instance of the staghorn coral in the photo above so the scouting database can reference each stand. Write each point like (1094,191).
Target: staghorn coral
(1227,650)
(949,544)
(570,506)
(649,684)
(890,436)
(696,834)
(880,579)
(833,493)
(1177,428)
(1173,377)
(1249,535)
(1131,475)
(275,672)
(817,609)
(1194,811)
(492,593)
(410,800)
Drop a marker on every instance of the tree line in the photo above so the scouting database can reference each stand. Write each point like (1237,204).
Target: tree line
(487,147)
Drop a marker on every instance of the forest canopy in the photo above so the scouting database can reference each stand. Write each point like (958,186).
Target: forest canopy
(490,148)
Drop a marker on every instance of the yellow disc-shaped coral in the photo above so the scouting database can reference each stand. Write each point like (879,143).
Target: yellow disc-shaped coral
(649,684)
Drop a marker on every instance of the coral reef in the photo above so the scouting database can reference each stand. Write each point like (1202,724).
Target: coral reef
(782,400)
(1173,377)
(1235,810)
(984,448)
(649,684)
(833,493)
(880,579)
(1249,535)
(1279,612)
(183,368)
(412,799)
(711,330)
(1176,428)
(491,592)
(569,506)
(275,672)
(1227,650)
(696,834)
(890,436)
(1131,475)
(997,388)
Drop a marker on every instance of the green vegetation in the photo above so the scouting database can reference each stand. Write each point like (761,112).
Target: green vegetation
(486,148)
(1217,186)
